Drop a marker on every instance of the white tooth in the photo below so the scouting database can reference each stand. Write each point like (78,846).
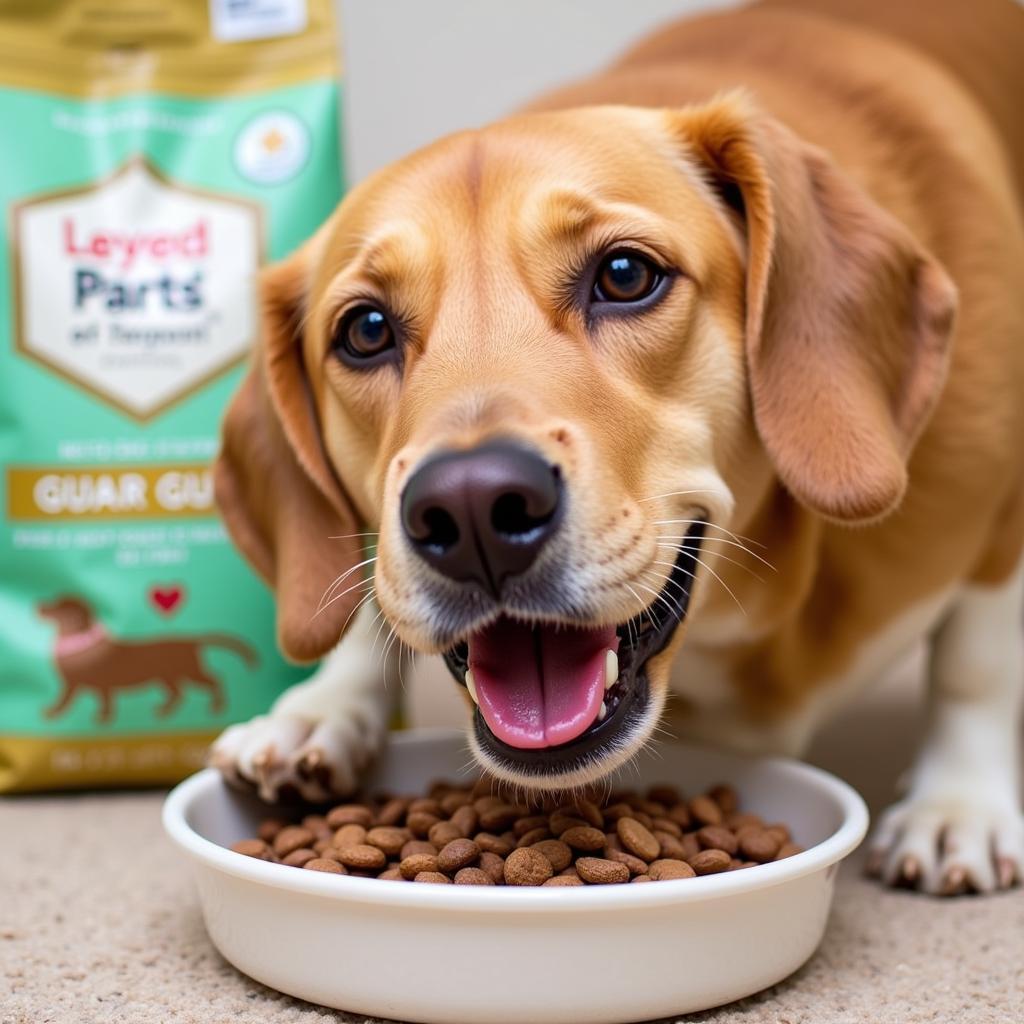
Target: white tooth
(611,669)
(471,686)
(602,712)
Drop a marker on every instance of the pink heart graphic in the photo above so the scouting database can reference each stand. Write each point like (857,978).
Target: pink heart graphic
(166,599)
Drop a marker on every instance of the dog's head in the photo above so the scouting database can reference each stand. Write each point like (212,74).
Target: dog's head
(545,366)
(70,613)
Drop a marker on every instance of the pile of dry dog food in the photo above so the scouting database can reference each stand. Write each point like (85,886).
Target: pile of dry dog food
(473,836)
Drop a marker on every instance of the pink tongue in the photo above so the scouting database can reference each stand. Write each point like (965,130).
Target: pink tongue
(539,688)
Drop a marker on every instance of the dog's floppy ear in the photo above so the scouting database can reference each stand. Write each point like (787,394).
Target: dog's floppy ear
(848,319)
(279,497)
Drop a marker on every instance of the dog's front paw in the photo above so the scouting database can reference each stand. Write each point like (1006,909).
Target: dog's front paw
(281,754)
(952,845)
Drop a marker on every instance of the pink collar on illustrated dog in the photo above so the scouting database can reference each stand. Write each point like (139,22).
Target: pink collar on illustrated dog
(75,643)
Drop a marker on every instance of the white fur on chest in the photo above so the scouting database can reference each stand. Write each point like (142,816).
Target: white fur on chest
(700,674)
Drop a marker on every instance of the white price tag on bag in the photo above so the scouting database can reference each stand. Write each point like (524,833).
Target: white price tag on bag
(235,21)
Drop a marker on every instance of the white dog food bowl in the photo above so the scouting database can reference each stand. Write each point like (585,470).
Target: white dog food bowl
(468,954)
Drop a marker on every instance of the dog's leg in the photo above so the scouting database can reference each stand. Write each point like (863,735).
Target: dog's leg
(960,826)
(105,712)
(173,698)
(321,734)
(66,697)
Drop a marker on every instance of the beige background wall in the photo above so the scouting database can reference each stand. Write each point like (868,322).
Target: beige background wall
(419,69)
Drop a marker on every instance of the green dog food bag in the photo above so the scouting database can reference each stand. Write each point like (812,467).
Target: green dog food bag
(156,154)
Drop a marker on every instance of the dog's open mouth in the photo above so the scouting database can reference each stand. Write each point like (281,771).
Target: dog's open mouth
(549,696)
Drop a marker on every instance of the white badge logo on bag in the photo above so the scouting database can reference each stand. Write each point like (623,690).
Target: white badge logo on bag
(272,148)
(136,288)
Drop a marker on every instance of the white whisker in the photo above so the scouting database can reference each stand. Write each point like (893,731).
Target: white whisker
(338,580)
(712,526)
(721,540)
(674,494)
(338,597)
(717,554)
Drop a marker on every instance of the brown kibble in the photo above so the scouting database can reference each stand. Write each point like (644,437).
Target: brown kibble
(497,817)
(561,820)
(598,871)
(635,864)
(667,825)
(690,845)
(651,808)
(616,811)
(493,844)
(432,876)
(253,848)
(388,838)
(415,846)
(454,800)
(269,827)
(416,864)
(472,876)
(317,824)
(710,862)
(705,811)
(473,836)
(737,822)
(494,866)
(466,820)
(671,847)
(459,853)
(583,837)
(530,822)
(663,870)
(527,866)
(293,837)
(637,839)
(715,837)
(590,813)
(419,823)
(667,795)
(788,850)
(392,812)
(680,814)
(556,851)
(441,833)
(349,814)
(300,857)
(362,856)
(425,805)
(349,835)
(725,796)
(761,846)
(483,786)
(331,867)
(535,835)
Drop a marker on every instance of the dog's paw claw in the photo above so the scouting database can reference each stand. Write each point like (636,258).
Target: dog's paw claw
(949,846)
(278,754)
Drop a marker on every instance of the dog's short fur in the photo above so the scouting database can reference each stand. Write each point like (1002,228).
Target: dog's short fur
(834,375)
(89,660)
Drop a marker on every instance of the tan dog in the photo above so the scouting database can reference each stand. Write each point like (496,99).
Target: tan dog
(577,374)
(89,659)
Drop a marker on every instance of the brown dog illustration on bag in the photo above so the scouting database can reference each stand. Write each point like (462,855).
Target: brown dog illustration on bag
(87,657)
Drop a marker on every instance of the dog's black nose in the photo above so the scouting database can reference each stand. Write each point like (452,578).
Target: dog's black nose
(483,514)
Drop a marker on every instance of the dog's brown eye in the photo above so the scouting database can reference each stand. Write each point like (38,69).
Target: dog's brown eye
(363,334)
(625,277)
